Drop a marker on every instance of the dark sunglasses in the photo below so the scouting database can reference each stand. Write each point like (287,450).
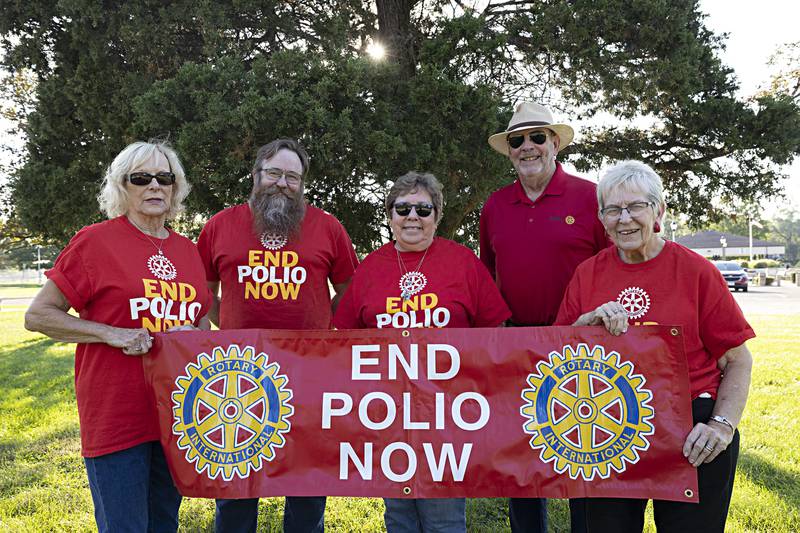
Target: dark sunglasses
(143,179)
(536,137)
(423,210)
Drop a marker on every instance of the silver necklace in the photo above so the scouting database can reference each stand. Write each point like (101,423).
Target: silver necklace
(414,281)
(158,264)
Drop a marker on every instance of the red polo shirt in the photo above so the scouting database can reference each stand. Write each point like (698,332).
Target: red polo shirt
(532,248)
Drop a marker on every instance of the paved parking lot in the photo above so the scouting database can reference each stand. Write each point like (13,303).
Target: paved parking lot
(770,300)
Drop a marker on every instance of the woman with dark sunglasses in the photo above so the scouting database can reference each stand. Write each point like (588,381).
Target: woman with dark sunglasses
(127,277)
(420,281)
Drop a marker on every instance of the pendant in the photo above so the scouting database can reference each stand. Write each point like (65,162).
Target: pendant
(273,241)
(161,267)
(412,283)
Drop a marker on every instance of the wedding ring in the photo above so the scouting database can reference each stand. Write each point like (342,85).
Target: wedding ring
(709,448)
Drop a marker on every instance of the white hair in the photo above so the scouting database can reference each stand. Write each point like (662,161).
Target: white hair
(632,175)
(113,197)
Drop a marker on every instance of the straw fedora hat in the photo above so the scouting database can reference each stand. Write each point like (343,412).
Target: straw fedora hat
(529,115)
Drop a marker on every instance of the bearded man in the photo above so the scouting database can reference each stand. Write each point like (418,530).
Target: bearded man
(273,257)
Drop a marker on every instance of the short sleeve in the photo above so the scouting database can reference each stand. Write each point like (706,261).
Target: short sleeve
(71,274)
(490,308)
(205,246)
(722,324)
(345,259)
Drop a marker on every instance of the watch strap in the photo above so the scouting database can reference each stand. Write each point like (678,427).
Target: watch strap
(723,420)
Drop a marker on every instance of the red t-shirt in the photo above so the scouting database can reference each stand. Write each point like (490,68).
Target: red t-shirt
(532,248)
(676,287)
(281,288)
(458,291)
(104,275)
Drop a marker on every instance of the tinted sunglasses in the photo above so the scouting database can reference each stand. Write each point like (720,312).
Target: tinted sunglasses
(536,137)
(423,209)
(143,179)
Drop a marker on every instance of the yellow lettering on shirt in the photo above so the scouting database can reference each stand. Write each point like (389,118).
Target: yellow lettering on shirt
(150,288)
(418,302)
(272,258)
(269,291)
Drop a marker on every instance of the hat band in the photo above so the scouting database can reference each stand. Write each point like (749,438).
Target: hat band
(531,123)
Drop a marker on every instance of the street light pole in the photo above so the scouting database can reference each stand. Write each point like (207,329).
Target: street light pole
(673,226)
(724,242)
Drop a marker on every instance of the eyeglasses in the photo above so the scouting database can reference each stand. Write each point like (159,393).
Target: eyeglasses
(536,137)
(274,175)
(142,179)
(634,209)
(404,209)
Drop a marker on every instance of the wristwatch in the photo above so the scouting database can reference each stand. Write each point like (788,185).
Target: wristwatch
(722,420)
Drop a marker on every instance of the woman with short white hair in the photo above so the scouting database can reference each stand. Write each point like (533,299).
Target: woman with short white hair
(127,277)
(645,279)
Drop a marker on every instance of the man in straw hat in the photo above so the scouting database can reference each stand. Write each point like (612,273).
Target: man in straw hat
(533,234)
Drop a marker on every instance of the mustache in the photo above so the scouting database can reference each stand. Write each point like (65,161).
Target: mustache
(277,210)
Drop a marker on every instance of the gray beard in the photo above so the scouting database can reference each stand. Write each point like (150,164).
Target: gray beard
(274,212)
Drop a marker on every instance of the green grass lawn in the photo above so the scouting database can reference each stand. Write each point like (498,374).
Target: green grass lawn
(19,290)
(43,484)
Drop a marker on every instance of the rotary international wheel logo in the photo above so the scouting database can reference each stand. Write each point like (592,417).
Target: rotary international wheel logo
(161,267)
(273,241)
(412,283)
(635,301)
(231,411)
(587,412)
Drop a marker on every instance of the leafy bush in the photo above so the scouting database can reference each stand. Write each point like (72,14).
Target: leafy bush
(765,263)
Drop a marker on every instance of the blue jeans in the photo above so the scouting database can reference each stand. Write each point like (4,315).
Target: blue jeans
(133,491)
(441,515)
(301,514)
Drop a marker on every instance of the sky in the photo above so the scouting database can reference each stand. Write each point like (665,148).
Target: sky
(756,30)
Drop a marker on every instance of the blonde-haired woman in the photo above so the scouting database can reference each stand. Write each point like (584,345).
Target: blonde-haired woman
(127,277)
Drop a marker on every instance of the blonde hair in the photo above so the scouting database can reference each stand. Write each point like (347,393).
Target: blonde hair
(113,197)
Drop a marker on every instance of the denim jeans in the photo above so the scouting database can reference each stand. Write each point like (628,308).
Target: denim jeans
(440,515)
(133,491)
(301,514)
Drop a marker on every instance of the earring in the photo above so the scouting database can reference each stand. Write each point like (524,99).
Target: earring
(657,227)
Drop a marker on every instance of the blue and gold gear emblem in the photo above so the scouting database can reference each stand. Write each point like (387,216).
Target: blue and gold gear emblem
(587,412)
(231,411)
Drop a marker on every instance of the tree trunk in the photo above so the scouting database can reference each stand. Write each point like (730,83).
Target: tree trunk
(396,34)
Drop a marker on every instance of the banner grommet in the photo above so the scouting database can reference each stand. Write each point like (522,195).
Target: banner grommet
(688,493)
(674,332)
(405,333)
(406,490)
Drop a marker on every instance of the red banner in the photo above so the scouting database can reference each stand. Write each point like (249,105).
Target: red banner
(525,412)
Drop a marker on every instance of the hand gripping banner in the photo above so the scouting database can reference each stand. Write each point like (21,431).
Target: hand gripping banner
(556,412)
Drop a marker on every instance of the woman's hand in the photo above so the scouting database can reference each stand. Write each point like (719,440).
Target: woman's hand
(706,441)
(132,341)
(611,315)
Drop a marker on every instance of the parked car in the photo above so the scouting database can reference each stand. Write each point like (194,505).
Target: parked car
(734,274)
